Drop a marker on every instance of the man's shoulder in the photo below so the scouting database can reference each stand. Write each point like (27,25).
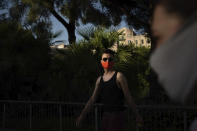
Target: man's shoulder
(98,79)
(120,74)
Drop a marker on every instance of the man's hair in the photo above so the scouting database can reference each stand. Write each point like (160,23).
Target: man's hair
(108,51)
(183,8)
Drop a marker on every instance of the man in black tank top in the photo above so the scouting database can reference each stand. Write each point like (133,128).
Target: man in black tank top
(111,90)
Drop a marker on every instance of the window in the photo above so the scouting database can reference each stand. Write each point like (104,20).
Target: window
(129,35)
(142,41)
(136,42)
(129,41)
(148,41)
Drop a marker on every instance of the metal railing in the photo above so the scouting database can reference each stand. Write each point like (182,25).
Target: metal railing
(60,116)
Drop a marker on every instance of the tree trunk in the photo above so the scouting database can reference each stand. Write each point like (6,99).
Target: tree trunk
(71,33)
(69,27)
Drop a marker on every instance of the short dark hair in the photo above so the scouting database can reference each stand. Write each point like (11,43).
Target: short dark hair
(108,51)
(184,8)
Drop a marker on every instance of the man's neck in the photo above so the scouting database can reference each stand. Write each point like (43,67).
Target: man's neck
(108,71)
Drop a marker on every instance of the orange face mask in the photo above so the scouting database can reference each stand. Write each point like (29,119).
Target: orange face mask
(107,65)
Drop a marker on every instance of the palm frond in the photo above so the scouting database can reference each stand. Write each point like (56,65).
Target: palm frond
(86,32)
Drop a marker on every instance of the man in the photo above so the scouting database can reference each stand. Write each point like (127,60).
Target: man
(110,90)
(174,26)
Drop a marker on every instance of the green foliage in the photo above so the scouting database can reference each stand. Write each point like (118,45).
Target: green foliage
(67,12)
(29,70)
(133,62)
(74,70)
(22,59)
(99,38)
(71,12)
(136,12)
(81,63)
(74,73)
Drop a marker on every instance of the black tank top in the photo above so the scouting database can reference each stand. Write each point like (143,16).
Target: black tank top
(111,96)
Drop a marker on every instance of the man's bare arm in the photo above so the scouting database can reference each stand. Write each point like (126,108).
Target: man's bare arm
(122,82)
(90,102)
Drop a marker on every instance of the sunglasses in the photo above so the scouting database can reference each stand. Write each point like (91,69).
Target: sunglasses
(109,59)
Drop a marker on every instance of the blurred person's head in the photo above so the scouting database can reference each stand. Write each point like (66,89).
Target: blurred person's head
(174,26)
(169,16)
(107,59)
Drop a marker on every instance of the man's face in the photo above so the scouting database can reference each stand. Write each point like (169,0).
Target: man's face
(164,24)
(107,61)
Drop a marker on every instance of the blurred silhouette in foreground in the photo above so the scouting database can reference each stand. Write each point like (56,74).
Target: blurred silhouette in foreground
(174,27)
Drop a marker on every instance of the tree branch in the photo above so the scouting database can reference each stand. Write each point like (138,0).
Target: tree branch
(59,18)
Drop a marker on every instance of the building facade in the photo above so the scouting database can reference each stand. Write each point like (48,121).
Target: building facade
(59,46)
(129,37)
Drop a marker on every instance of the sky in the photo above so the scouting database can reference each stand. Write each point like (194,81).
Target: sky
(57,26)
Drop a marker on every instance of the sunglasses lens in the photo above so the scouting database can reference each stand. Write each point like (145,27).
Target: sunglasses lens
(109,59)
(104,59)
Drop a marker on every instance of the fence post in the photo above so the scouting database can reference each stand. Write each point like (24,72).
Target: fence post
(96,118)
(4,111)
(30,117)
(60,116)
(137,128)
(185,120)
